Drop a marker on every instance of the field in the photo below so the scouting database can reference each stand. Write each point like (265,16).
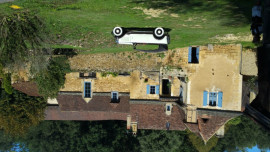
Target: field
(86,25)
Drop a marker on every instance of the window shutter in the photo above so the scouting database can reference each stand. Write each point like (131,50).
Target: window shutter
(189,54)
(220,97)
(157,89)
(197,53)
(205,96)
(148,89)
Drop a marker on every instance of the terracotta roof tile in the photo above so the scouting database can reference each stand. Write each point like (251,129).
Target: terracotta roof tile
(98,103)
(153,116)
(54,113)
(209,127)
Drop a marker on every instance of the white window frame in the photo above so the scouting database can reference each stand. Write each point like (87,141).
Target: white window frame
(117,95)
(208,97)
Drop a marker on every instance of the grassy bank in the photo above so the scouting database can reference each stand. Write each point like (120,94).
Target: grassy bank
(87,24)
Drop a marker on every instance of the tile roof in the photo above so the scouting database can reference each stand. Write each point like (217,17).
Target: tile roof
(148,114)
(97,103)
(54,113)
(27,87)
(153,116)
(209,127)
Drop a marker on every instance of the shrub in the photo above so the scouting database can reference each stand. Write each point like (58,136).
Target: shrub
(52,79)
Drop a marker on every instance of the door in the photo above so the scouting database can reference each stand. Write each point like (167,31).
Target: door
(166,87)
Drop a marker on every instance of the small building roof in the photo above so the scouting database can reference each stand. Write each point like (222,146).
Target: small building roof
(27,87)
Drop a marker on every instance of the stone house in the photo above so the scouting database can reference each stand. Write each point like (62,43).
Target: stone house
(196,88)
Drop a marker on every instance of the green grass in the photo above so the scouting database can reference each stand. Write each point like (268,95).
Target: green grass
(87,24)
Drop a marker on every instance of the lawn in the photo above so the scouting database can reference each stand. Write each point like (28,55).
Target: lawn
(86,25)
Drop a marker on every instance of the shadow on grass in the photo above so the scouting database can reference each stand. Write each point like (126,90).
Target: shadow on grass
(229,12)
(65,51)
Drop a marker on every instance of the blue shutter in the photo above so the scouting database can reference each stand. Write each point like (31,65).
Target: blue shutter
(197,53)
(220,97)
(205,96)
(157,89)
(148,89)
(189,54)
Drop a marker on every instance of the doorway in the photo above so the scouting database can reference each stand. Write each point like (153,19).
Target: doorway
(166,87)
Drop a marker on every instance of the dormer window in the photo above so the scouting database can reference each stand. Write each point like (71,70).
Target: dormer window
(87,89)
(114,96)
(168,109)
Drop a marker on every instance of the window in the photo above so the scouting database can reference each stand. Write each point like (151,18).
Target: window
(114,96)
(87,89)
(212,99)
(168,108)
(193,54)
(152,89)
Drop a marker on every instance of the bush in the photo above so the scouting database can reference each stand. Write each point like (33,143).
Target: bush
(7,84)
(6,80)
(52,79)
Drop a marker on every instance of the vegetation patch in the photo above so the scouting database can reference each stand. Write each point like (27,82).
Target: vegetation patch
(105,74)
(50,81)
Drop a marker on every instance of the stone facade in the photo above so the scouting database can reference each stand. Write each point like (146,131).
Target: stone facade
(218,70)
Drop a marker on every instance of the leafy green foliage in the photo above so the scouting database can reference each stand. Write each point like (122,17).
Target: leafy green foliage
(6,83)
(6,80)
(18,112)
(243,135)
(159,141)
(82,136)
(199,144)
(6,141)
(50,81)
(20,37)
(104,74)
(111,136)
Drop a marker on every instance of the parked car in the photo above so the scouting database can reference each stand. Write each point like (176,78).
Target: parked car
(133,36)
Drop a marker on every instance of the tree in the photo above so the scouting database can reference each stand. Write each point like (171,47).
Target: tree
(103,136)
(50,80)
(198,143)
(18,112)
(245,134)
(21,35)
(159,141)
(6,141)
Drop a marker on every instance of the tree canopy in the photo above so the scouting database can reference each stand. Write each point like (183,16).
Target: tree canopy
(18,112)
(21,37)
(109,136)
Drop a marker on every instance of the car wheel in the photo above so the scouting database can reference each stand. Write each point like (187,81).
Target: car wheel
(118,31)
(159,32)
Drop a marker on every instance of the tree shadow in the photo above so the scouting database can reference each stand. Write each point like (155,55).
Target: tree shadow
(230,12)
(69,52)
